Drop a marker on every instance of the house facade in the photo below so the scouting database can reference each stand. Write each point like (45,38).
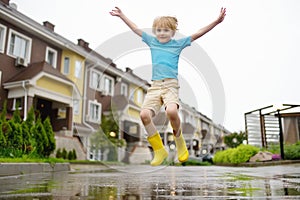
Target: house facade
(75,86)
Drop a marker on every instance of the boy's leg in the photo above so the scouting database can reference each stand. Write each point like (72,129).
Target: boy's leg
(160,153)
(172,113)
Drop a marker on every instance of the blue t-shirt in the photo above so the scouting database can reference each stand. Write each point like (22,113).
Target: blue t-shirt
(165,56)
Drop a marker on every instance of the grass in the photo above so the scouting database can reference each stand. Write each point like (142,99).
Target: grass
(52,160)
(32,160)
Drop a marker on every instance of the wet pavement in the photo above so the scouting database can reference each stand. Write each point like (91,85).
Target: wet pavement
(139,182)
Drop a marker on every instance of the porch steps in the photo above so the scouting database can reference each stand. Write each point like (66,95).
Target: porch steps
(70,143)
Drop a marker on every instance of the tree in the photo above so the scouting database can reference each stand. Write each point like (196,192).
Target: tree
(50,135)
(4,126)
(16,135)
(4,112)
(110,128)
(235,139)
(40,136)
(2,137)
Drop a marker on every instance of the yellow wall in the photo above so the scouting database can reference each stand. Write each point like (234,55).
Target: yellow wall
(55,86)
(133,113)
(79,82)
(136,90)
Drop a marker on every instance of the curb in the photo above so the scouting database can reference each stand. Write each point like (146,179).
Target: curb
(11,169)
(260,164)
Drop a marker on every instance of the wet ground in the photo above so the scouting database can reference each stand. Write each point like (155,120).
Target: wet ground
(164,182)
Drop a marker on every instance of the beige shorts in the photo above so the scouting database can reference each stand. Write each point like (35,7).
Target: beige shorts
(161,92)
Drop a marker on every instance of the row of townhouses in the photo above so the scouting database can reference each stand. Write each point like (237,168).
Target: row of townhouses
(75,86)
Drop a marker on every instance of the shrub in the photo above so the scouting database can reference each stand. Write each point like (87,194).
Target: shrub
(243,153)
(58,153)
(74,154)
(50,147)
(235,155)
(292,152)
(64,153)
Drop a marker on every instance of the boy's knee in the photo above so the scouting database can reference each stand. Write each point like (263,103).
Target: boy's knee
(145,116)
(172,111)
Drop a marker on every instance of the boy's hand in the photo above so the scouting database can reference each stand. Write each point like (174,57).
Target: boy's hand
(116,12)
(222,15)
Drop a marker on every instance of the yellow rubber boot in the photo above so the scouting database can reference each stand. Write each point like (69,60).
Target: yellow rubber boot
(183,153)
(160,153)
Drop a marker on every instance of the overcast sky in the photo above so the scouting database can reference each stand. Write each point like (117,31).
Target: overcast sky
(255,50)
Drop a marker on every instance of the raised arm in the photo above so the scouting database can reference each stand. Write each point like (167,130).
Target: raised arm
(207,28)
(118,12)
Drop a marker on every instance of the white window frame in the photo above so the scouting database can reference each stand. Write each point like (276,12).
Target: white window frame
(94,115)
(27,49)
(78,69)
(95,84)
(66,67)
(124,89)
(131,93)
(140,96)
(48,50)
(2,37)
(110,90)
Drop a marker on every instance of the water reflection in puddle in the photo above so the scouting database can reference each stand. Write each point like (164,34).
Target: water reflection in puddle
(166,183)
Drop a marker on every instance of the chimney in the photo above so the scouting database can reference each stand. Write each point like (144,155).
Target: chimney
(128,70)
(5,2)
(83,44)
(49,25)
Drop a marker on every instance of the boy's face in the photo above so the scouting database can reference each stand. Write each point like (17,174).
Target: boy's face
(164,35)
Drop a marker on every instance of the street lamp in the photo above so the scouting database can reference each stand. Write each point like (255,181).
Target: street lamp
(112,134)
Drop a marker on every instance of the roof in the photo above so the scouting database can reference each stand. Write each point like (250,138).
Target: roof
(36,68)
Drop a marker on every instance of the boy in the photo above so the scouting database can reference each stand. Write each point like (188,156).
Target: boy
(165,52)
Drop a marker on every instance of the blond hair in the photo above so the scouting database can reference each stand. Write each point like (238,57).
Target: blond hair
(165,22)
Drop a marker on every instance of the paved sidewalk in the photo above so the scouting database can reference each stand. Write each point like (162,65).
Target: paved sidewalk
(163,182)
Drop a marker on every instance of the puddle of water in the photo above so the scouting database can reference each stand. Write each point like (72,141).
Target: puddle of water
(169,183)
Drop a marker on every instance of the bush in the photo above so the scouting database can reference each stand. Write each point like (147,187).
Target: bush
(74,154)
(292,152)
(243,153)
(58,153)
(64,154)
(20,138)
(237,155)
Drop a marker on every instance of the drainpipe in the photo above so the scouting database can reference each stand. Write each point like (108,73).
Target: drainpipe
(25,99)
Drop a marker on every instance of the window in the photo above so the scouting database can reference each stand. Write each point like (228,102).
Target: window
(139,96)
(131,94)
(124,89)
(95,80)
(66,65)
(102,83)
(108,85)
(75,107)
(17,102)
(94,112)
(78,69)
(51,56)
(62,113)
(2,37)
(19,45)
